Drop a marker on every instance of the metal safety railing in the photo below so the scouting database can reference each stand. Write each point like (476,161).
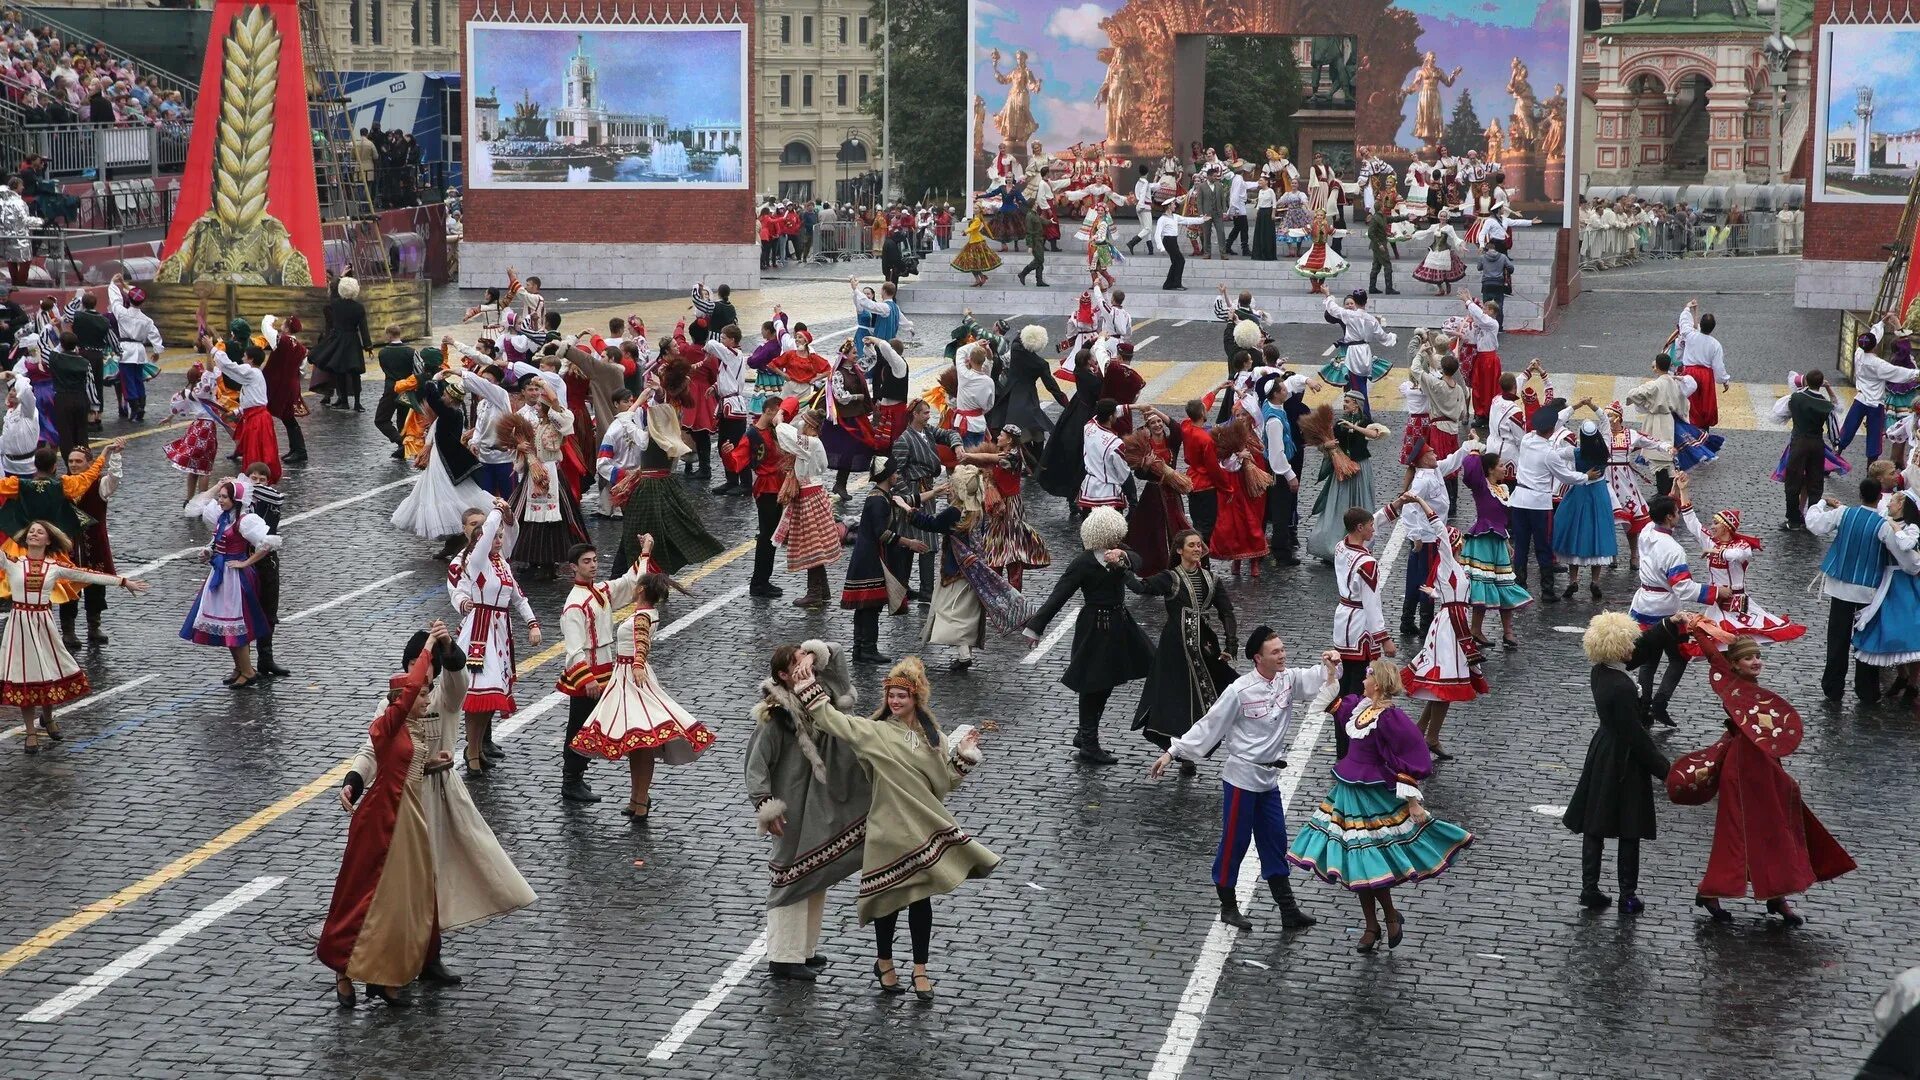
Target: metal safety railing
(106,149)
(1757,233)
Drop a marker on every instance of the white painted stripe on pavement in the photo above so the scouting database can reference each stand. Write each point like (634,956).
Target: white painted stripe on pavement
(717,993)
(344,597)
(126,963)
(1182,322)
(1145,341)
(91,699)
(143,571)
(1061,624)
(528,715)
(1184,1029)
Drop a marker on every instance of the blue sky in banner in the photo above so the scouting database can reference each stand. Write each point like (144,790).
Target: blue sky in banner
(688,76)
(1884,59)
(1064,37)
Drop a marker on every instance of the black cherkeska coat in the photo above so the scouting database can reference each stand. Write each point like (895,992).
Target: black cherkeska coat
(1109,648)
(1614,797)
(344,341)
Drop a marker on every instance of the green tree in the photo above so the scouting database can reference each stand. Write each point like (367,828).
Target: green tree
(1252,91)
(1465,131)
(929,93)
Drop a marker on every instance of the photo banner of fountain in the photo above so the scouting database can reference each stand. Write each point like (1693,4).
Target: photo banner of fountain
(555,105)
(1866,114)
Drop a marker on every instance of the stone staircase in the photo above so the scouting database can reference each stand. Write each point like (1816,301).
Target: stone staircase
(1276,288)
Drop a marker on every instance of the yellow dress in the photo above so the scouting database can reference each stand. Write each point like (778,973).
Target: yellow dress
(976,257)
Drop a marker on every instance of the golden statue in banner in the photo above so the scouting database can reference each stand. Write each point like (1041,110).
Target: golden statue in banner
(237,241)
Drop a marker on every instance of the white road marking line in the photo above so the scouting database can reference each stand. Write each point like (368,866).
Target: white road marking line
(684,1028)
(1549,811)
(126,963)
(143,571)
(91,699)
(1146,341)
(528,715)
(344,597)
(1184,1029)
(1061,624)
(1181,323)
(1569,629)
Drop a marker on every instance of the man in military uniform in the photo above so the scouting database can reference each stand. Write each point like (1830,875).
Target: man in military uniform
(1036,243)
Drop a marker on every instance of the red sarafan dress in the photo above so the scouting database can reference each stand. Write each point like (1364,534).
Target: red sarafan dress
(1239,531)
(382,922)
(1764,837)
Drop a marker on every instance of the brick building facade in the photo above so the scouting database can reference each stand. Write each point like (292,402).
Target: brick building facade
(579,238)
(1843,257)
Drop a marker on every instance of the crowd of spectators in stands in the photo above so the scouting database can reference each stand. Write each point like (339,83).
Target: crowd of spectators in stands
(59,82)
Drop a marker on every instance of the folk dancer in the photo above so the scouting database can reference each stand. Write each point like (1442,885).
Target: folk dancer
(482,586)
(1863,544)
(1425,522)
(1360,334)
(1871,374)
(139,345)
(1251,719)
(1540,467)
(227,611)
(1359,629)
(587,635)
(1729,552)
(1704,361)
(1665,582)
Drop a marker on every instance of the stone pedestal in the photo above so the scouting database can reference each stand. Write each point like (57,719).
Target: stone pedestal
(1525,181)
(1329,130)
(1553,179)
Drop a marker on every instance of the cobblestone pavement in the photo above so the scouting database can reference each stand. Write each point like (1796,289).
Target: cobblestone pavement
(1072,961)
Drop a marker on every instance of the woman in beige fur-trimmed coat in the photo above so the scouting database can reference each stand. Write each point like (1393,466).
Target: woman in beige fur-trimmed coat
(810,795)
(915,850)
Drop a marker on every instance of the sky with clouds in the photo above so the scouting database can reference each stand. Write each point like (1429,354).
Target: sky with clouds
(1064,36)
(688,76)
(1884,58)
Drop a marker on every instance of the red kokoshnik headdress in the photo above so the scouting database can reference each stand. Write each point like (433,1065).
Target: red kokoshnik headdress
(1758,715)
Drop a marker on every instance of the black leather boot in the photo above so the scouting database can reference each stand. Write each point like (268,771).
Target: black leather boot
(69,615)
(1291,917)
(436,973)
(1230,908)
(1592,851)
(1088,740)
(265,662)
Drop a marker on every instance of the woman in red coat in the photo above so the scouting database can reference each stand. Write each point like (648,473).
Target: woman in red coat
(285,357)
(1763,835)
(1240,487)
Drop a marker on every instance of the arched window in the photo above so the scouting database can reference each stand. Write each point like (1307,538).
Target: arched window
(853,152)
(796,153)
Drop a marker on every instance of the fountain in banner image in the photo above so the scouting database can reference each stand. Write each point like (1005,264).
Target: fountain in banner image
(667,160)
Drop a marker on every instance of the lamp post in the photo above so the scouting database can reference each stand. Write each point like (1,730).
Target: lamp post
(886,98)
(1779,50)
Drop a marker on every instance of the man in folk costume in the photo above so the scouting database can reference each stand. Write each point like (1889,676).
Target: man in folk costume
(1277,434)
(810,795)
(286,355)
(1661,399)
(1123,385)
(887,382)
(1871,374)
(1359,629)
(1702,359)
(758,455)
(1203,462)
(586,630)
(1105,474)
(1863,543)
(881,561)
(1665,583)
(730,391)
(139,341)
(1427,503)
(1361,333)
(1143,209)
(1764,836)
(1109,649)
(473,878)
(1251,720)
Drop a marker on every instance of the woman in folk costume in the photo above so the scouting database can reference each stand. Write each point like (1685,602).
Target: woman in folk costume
(699,409)
(970,593)
(847,434)
(1063,461)
(1625,445)
(1614,797)
(485,593)
(474,880)
(810,798)
(1886,632)
(651,502)
(1321,261)
(914,849)
(1372,831)
(253,436)
(194,452)
(445,489)
(1160,513)
(1441,266)
(1487,553)
(1007,542)
(635,718)
(1346,470)
(1109,649)
(1447,668)
(1266,200)
(543,503)
(36,671)
(1583,529)
(1831,462)
(227,611)
(1765,839)
(1239,532)
(976,257)
(1729,552)
(1189,669)
(808,529)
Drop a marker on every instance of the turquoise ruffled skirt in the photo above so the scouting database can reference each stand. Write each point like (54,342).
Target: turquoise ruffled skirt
(1361,837)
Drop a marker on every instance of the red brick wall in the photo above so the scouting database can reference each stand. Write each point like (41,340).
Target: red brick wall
(1847,232)
(621,216)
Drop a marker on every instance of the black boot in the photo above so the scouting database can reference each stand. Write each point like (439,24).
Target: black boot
(436,973)
(1088,741)
(1407,609)
(1291,917)
(1131,243)
(1669,682)
(264,661)
(575,789)
(1592,849)
(69,615)
(1230,908)
(95,635)
(1022,275)
(796,972)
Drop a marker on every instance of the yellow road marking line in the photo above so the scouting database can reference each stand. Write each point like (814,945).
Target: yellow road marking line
(233,835)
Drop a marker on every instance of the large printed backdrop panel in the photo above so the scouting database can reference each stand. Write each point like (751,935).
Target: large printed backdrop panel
(1077,72)
(1867,118)
(593,106)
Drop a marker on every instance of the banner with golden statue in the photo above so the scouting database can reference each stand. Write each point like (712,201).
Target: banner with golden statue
(249,211)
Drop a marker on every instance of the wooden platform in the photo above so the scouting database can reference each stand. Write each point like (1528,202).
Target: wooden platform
(175,308)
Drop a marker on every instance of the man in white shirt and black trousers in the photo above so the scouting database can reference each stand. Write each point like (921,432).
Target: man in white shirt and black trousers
(1167,227)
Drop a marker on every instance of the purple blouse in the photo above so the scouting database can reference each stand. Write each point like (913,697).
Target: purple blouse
(1490,514)
(1393,752)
